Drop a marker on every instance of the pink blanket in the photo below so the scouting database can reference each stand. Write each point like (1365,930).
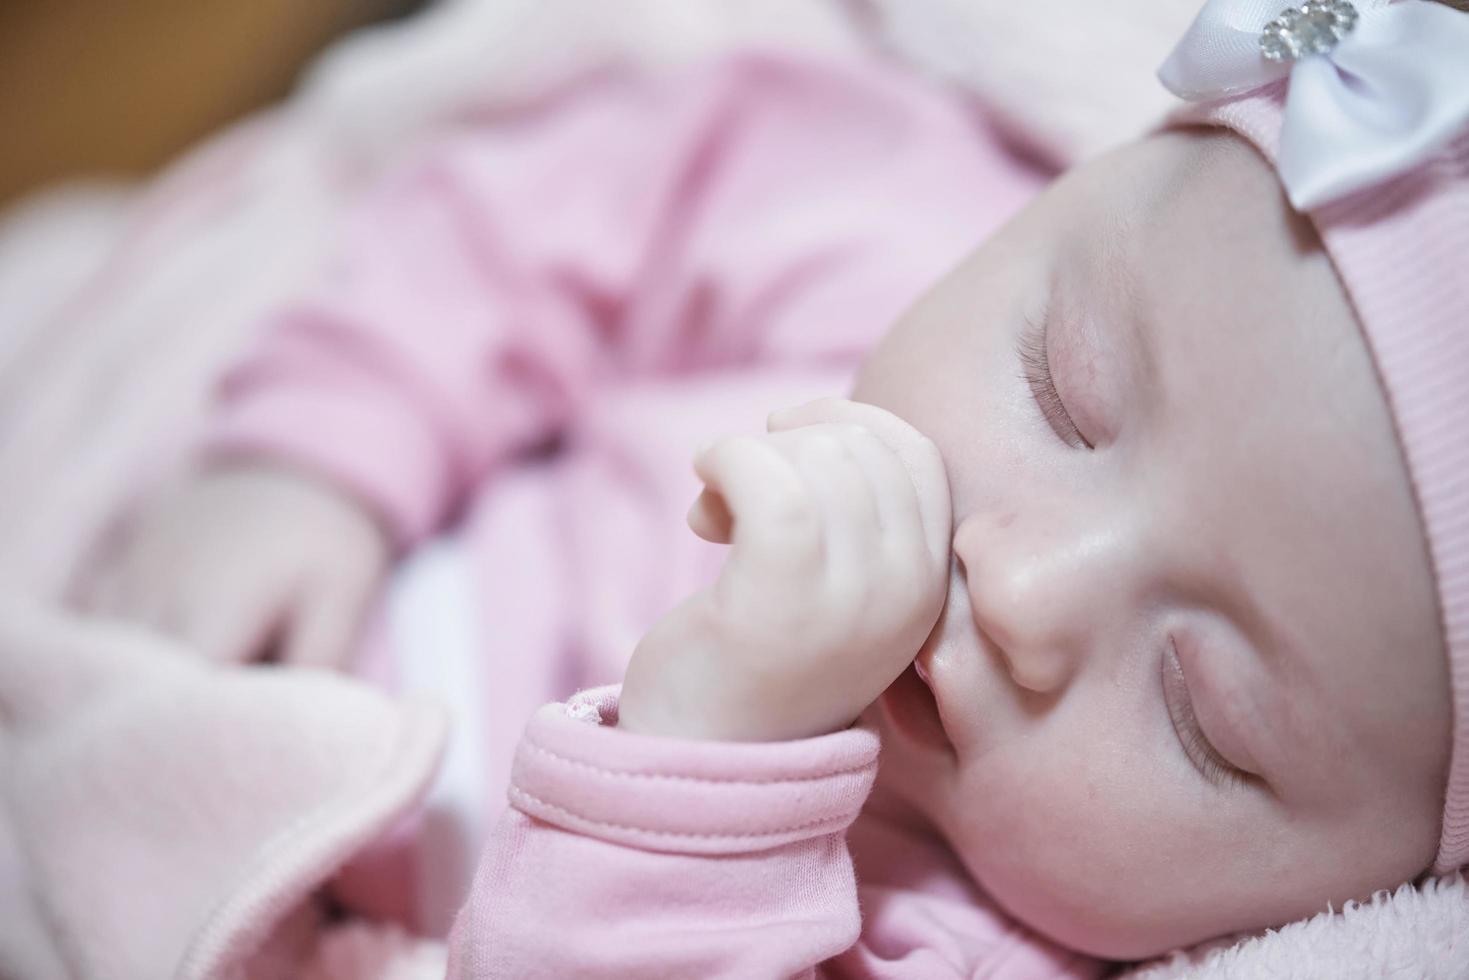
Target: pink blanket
(160,817)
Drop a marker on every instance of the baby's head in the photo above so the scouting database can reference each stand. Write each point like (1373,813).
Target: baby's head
(1192,669)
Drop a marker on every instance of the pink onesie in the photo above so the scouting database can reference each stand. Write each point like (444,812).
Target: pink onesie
(525,335)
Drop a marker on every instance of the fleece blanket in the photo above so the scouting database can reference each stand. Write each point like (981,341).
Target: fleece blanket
(160,819)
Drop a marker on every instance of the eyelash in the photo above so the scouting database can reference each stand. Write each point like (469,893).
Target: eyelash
(1035,361)
(1215,768)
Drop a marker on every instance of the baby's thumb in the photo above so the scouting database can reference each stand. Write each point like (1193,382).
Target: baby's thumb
(710,518)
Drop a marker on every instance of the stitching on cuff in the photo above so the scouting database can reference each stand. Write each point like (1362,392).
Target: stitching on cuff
(524,797)
(584,711)
(531,745)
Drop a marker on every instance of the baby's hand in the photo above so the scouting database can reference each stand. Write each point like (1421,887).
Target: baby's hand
(246,560)
(839,519)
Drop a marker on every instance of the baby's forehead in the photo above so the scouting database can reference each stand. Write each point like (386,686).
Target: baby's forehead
(1171,189)
(1188,232)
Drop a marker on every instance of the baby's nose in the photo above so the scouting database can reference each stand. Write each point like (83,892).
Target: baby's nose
(1034,594)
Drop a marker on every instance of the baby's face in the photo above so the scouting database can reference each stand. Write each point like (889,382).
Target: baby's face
(1190,670)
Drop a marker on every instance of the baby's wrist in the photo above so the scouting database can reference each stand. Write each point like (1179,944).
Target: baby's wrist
(694,714)
(722,711)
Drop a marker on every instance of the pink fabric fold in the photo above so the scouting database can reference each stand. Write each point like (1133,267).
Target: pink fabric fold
(161,817)
(634,228)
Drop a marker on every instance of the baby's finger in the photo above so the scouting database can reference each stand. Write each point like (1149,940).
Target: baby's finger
(918,453)
(776,530)
(893,492)
(129,593)
(829,409)
(321,632)
(843,495)
(232,632)
(112,584)
(95,590)
(710,518)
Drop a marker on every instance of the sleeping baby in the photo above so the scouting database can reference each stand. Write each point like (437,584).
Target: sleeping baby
(1136,556)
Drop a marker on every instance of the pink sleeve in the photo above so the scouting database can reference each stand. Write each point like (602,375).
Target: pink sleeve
(629,856)
(760,211)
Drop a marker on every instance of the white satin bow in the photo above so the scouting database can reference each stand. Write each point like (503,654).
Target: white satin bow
(1387,96)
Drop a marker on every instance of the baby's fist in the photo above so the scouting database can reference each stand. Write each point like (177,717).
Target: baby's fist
(839,523)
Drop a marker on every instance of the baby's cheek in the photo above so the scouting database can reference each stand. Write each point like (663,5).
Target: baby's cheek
(1086,854)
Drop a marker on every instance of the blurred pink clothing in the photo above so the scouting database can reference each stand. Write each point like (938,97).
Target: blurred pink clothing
(526,335)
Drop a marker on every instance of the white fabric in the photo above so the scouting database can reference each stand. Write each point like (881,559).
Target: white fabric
(1410,933)
(1067,79)
(439,645)
(1385,98)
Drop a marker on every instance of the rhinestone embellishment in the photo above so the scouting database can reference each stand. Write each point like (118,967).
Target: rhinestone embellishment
(1315,27)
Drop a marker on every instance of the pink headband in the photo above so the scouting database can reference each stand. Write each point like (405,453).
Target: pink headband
(1364,111)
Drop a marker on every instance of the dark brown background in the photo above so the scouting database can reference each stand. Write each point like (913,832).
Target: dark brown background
(117,87)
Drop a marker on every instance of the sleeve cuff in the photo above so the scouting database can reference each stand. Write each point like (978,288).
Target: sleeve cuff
(575,770)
